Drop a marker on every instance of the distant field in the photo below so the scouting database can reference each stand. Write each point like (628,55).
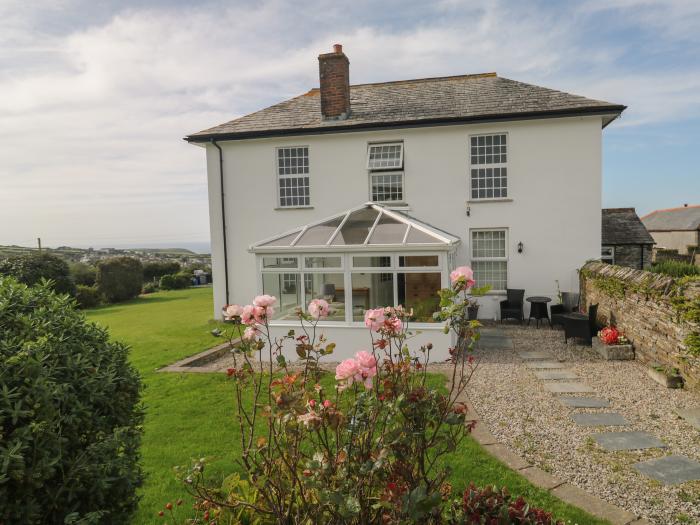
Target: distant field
(191,415)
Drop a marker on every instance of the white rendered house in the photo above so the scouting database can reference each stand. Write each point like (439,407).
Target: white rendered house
(369,195)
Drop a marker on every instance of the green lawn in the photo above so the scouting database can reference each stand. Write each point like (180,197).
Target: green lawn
(190,415)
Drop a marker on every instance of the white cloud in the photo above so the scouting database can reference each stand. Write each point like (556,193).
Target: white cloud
(91,118)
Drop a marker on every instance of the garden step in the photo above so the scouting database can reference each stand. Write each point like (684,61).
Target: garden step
(494,341)
(608,419)
(545,364)
(567,388)
(691,415)
(585,402)
(627,440)
(535,355)
(555,374)
(670,470)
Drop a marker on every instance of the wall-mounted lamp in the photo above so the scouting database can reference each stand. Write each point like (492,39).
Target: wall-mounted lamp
(520,247)
(469,211)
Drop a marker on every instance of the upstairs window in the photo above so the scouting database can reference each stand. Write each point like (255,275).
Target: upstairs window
(387,156)
(385,165)
(293,176)
(489,171)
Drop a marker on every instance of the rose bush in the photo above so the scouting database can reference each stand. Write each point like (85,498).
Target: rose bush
(368,449)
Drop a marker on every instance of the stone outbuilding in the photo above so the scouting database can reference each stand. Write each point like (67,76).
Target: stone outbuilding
(625,240)
(675,228)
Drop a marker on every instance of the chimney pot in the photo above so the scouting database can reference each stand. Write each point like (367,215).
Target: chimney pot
(334,76)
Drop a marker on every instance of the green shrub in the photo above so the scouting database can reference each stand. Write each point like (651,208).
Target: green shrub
(87,296)
(119,278)
(176,281)
(149,287)
(675,268)
(70,419)
(32,268)
(152,271)
(83,273)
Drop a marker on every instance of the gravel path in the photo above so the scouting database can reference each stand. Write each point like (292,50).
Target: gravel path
(520,413)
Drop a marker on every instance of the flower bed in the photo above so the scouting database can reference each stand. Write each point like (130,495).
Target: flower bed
(612,345)
(370,450)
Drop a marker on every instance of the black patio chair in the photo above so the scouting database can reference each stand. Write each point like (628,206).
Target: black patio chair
(581,325)
(568,305)
(512,306)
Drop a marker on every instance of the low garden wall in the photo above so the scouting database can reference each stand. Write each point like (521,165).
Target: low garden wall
(658,313)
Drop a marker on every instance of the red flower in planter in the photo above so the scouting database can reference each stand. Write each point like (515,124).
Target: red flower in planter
(609,335)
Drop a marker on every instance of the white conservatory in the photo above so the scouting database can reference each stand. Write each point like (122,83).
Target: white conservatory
(367,257)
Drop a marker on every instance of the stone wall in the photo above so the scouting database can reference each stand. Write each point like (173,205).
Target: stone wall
(633,255)
(641,305)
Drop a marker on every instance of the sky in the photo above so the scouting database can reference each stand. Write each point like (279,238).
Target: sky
(96,95)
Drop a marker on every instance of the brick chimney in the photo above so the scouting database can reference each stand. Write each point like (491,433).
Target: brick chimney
(334,74)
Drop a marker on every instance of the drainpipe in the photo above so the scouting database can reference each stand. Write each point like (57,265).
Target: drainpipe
(223,214)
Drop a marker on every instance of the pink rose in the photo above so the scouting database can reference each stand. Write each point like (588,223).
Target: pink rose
(265,300)
(318,308)
(233,310)
(395,325)
(249,334)
(374,319)
(348,371)
(367,362)
(462,273)
(247,314)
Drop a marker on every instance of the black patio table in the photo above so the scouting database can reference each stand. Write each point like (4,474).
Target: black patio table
(538,309)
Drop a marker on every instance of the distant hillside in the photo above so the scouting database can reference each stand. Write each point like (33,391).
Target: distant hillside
(91,255)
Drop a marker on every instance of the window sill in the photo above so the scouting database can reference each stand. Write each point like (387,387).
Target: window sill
(474,201)
(393,205)
(293,208)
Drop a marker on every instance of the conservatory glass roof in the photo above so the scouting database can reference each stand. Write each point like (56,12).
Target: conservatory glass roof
(369,226)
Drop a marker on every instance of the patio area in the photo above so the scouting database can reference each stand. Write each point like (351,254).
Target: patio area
(603,426)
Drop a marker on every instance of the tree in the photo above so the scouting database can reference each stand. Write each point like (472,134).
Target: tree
(155,270)
(83,273)
(119,278)
(30,269)
(70,415)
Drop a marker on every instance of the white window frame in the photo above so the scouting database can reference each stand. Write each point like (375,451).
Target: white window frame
(505,258)
(382,144)
(280,176)
(347,270)
(485,166)
(386,171)
(606,258)
(383,173)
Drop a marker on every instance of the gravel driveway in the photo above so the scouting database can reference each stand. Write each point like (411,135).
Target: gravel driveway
(522,414)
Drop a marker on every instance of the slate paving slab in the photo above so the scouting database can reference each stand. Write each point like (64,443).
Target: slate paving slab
(555,374)
(670,470)
(548,365)
(609,419)
(535,355)
(494,341)
(585,402)
(567,388)
(627,440)
(691,415)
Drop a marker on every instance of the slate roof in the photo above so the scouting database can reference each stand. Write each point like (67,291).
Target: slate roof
(686,218)
(406,103)
(622,226)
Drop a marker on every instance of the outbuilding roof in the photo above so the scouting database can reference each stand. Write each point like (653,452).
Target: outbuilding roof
(407,103)
(622,226)
(686,218)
